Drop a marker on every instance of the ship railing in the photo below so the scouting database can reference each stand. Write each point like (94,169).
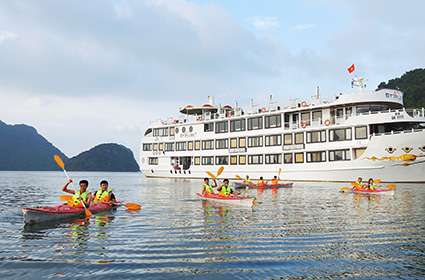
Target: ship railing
(392,132)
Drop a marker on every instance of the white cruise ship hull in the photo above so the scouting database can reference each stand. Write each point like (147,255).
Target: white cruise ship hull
(388,170)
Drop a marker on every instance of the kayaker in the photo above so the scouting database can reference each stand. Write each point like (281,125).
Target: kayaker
(358,185)
(207,188)
(275,181)
(247,181)
(370,184)
(79,196)
(261,183)
(104,194)
(225,189)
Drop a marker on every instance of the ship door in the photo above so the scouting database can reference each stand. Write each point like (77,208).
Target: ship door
(185,162)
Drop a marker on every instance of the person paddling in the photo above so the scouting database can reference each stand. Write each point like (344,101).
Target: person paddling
(370,184)
(225,189)
(207,188)
(247,181)
(261,183)
(80,196)
(104,194)
(358,185)
(275,181)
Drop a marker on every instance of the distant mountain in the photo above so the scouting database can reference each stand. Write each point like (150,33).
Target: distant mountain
(412,83)
(104,157)
(22,148)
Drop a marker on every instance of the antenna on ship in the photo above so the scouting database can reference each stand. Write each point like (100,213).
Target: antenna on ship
(317,92)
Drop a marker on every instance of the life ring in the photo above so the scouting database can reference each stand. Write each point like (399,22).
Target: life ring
(303,124)
(327,122)
(304,104)
(263,110)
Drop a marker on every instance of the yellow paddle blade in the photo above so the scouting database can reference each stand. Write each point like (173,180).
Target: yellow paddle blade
(344,188)
(211,174)
(377,181)
(59,161)
(220,170)
(391,186)
(238,177)
(133,206)
(280,171)
(65,197)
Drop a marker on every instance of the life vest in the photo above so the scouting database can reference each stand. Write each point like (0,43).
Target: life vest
(275,182)
(357,186)
(225,190)
(261,184)
(247,182)
(207,188)
(75,200)
(102,196)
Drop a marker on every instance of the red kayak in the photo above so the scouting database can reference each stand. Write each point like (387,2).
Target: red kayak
(45,214)
(388,191)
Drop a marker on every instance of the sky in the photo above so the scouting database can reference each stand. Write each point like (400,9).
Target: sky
(91,72)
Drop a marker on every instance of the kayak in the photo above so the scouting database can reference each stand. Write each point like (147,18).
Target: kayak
(379,191)
(235,200)
(253,186)
(44,214)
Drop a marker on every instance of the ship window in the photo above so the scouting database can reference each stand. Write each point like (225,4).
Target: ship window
(221,160)
(208,145)
(190,145)
(299,157)
(221,143)
(316,156)
(153,161)
(183,129)
(255,141)
(273,121)
(287,139)
(209,127)
(169,147)
(339,155)
(273,140)
(316,136)
(161,146)
(221,127)
(197,145)
(155,147)
(147,147)
(207,160)
(255,123)
(305,118)
(172,131)
(242,142)
(176,130)
(299,138)
(255,159)
(160,131)
(358,152)
(197,160)
(190,128)
(233,143)
(287,158)
(237,125)
(273,158)
(317,117)
(341,134)
(181,146)
(242,159)
(233,160)
(361,132)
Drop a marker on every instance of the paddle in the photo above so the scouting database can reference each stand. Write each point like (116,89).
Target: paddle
(343,189)
(278,174)
(238,177)
(219,171)
(391,187)
(129,205)
(61,164)
(65,197)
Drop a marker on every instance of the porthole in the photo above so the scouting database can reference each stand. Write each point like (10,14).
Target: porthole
(183,129)
(175,171)
(171,171)
(180,171)
(407,149)
(189,172)
(191,129)
(177,130)
(184,171)
(151,170)
(390,150)
(422,149)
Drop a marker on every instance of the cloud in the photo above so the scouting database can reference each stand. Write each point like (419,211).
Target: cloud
(265,23)
(303,27)
(7,35)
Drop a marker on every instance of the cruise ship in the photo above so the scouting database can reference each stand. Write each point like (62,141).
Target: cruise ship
(360,133)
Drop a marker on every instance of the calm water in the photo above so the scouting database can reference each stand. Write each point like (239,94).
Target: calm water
(308,232)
